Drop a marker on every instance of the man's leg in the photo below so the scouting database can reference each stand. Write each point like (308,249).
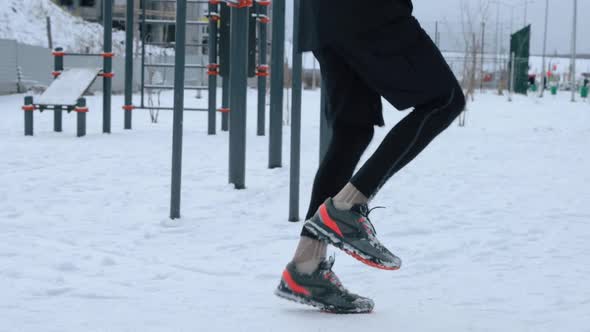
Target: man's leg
(403,65)
(353,110)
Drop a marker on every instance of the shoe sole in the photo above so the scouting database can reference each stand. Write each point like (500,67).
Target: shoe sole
(289,296)
(337,242)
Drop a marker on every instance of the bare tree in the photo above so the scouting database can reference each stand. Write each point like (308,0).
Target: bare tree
(473,14)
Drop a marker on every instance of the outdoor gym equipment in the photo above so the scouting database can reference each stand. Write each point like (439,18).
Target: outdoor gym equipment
(70,84)
(65,91)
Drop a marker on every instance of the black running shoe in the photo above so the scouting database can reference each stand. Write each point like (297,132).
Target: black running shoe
(321,289)
(352,232)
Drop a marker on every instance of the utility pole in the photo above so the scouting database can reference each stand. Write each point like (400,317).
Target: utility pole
(543,70)
(573,60)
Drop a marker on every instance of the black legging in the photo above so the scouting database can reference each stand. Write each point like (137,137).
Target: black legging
(401,145)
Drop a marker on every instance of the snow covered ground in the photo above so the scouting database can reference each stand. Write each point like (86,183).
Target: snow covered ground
(492,222)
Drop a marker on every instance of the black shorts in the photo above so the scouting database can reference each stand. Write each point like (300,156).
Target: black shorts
(397,61)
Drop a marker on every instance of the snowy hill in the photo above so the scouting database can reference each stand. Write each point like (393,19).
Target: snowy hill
(25,21)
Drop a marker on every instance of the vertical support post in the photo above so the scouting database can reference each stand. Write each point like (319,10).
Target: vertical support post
(325,133)
(107,86)
(143,34)
(179,65)
(213,68)
(276,85)
(436,41)
(81,111)
(29,109)
(58,67)
(129,25)
(295,171)
(574,50)
(49,36)
(543,70)
(262,67)
(483,54)
(512,74)
(224,40)
(225,104)
(238,87)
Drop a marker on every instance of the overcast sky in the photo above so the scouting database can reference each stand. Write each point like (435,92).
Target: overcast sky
(560,21)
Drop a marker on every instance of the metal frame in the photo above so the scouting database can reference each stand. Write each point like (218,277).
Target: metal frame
(295,168)
(276,85)
(212,72)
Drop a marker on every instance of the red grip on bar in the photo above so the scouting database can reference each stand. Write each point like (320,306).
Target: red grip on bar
(108,55)
(214,2)
(263,19)
(28,107)
(55,73)
(213,69)
(58,53)
(128,107)
(107,75)
(223,110)
(241,4)
(263,2)
(81,109)
(262,71)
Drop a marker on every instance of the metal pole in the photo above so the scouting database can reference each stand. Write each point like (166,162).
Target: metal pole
(497,42)
(107,85)
(262,62)
(213,68)
(58,67)
(239,87)
(436,34)
(543,70)
(179,63)
(224,36)
(29,109)
(225,103)
(512,74)
(143,35)
(526,4)
(49,37)
(483,44)
(276,85)
(295,118)
(129,25)
(573,60)
(81,111)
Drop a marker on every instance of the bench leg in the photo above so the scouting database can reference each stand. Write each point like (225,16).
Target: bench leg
(81,111)
(29,109)
(57,116)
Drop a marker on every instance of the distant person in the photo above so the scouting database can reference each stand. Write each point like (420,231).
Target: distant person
(366,50)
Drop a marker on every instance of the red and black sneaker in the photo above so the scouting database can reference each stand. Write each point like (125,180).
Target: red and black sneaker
(321,289)
(353,232)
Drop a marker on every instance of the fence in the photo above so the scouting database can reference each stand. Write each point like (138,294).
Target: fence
(23,66)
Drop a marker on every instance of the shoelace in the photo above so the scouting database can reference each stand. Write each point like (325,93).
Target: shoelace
(365,212)
(330,275)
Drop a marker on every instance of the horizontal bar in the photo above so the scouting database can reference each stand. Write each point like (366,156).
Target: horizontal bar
(83,54)
(152,21)
(171,109)
(171,87)
(187,1)
(172,44)
(171,65)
